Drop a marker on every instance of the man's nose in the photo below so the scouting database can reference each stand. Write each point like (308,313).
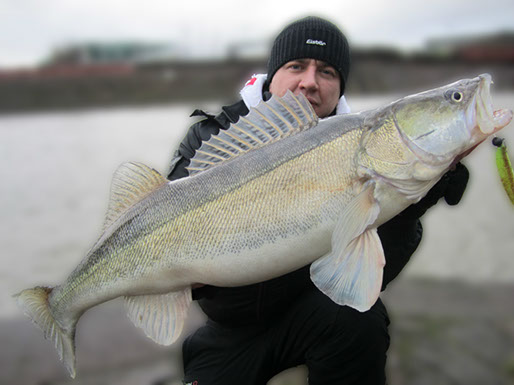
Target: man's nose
(309,81)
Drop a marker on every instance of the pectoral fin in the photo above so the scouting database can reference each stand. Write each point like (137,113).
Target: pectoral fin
(351,274)
(161,316)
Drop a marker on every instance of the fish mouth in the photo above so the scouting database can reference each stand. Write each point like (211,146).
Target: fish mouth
(485,118)
(486,125)
(482,118)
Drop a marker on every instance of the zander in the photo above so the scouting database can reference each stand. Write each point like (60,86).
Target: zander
(276,191)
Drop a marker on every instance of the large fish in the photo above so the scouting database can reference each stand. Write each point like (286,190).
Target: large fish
(275,192)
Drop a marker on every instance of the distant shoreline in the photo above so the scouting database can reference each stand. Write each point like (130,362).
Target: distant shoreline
(71,88)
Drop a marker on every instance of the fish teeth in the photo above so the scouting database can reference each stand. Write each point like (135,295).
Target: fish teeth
(485,94)
(485,112)
(502,117)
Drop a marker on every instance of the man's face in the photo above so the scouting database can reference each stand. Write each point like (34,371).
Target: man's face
(317,80)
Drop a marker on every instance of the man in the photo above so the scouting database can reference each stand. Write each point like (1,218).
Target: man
(257,331)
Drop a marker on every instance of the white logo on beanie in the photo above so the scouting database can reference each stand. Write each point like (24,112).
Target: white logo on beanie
(315,42)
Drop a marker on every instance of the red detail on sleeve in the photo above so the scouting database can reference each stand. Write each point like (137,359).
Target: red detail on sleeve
(251,81)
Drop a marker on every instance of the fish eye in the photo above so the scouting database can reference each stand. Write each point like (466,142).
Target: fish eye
(457,96)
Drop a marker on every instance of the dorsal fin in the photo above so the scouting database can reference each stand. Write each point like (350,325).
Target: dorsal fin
(268,122)
(130,184)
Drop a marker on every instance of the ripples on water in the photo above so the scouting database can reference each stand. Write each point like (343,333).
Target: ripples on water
(56,170)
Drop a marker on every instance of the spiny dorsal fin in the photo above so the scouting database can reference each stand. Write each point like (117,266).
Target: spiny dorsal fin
(130,184)
(268,122)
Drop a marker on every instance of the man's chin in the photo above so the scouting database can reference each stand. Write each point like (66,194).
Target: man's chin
(317,109)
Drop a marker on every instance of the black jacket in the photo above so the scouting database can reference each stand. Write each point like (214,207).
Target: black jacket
(263,301)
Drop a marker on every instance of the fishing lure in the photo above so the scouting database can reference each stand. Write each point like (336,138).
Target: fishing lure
(504,167)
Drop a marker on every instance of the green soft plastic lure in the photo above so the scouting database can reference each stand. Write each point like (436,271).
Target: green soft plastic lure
(504,167)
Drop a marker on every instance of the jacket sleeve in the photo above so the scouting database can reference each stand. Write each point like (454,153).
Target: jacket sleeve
(197,133)
(400,237)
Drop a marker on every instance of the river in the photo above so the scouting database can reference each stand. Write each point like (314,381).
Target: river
(56,169)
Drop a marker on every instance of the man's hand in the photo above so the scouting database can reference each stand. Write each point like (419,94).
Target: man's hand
(451,186)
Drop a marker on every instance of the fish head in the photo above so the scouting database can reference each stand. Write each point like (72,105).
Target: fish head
(445,124)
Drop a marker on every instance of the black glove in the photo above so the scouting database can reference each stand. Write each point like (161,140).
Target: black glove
(451,186)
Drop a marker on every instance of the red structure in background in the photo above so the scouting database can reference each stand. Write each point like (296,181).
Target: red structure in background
(62,71)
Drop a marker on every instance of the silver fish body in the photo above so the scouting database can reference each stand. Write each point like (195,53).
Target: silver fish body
(277,191)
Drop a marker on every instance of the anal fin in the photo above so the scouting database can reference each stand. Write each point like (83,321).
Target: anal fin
(161,316)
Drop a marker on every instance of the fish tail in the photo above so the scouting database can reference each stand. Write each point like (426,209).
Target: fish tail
(34,303)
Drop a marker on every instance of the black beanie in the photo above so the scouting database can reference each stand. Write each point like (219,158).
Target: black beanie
(311,38)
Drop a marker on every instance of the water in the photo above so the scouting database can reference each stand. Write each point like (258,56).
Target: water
(56,170)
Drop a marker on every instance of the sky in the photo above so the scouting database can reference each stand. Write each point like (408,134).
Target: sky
(30,29)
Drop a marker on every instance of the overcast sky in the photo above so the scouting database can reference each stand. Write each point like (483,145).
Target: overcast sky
(30,29)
